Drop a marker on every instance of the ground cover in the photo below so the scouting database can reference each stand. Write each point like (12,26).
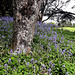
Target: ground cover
(52,53)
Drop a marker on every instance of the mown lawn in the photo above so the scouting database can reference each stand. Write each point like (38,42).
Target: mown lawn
(53,52)
(71,29)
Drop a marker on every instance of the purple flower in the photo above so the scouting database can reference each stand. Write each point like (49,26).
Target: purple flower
(42,46)
(48,44)
(27,63)
(50,49)
(53,65)
(32,59)
(11,55)
(56,45)
(39,23)
(38,33)
(59,49)
(40,58)
(45,39)
(19,60)
(5,66)
(66,73)
(33,67)
(36,61)
(41,35)
(4,27)
(50,38)
(6,72)
(54,36)
(3,36)
(63,66)
(48,57)
(6,45)
(49,70)
(45,36)
(11,51)
(8,39)
(50,25)
(71,46)
(55,33)
(60,62)
(24,60)
(67,50)
(20,51)
(68,41)
(29,73)
(9,60)
(50,62)
(64,50)
(10,30)
(43,65)
(70,53)
(60,41)
(39,50)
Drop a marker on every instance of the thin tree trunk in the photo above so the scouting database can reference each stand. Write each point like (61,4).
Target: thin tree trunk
(40,17)
(25,18)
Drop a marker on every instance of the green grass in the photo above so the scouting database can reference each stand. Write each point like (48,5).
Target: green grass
(53,53)
(71,29)
(68,34)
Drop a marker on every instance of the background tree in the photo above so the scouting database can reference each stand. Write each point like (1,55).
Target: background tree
(2,8)
(6,8)
(54,8)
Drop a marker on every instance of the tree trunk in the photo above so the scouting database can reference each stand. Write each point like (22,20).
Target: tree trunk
(25,18)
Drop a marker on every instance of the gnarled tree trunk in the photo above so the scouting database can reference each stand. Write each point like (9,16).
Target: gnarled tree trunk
(25,18)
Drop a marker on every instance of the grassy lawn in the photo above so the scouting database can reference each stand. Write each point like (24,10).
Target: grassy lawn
(68,34)
(53,52)
(71,29)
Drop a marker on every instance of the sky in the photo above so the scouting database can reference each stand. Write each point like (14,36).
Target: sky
(67,7)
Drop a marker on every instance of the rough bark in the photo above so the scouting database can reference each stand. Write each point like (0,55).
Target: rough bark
(25,18)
